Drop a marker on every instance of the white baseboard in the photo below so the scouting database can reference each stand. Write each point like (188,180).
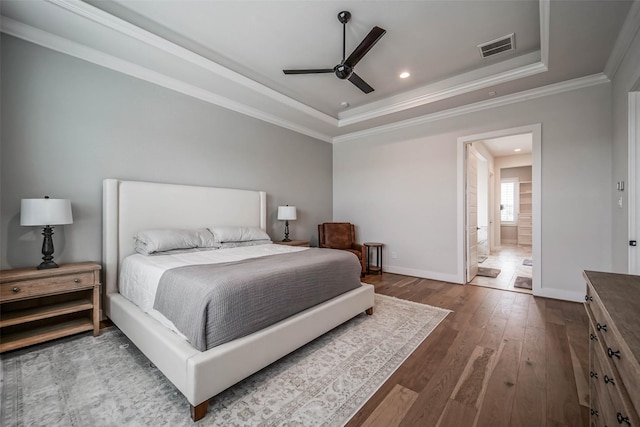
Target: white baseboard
(560,294)
(424,274)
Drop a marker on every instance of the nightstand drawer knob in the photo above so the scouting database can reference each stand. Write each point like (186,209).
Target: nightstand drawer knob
(16,290)
(76,280)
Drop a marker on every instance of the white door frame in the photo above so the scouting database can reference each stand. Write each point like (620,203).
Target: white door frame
(536,131)
(471,227)
(634,180)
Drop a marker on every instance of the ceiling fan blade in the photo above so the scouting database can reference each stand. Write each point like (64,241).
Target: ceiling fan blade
(365,46)
(309,71)
(361,84)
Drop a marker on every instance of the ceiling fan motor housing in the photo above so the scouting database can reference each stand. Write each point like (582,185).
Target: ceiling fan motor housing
(343,71)
(344,17)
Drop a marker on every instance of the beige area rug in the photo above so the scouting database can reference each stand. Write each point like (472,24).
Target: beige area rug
(106,381)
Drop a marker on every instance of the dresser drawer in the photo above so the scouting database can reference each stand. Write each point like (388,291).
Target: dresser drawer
(24,289)
(614,349)
(612,397)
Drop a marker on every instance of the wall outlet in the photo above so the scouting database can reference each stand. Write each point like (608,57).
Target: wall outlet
(394,255)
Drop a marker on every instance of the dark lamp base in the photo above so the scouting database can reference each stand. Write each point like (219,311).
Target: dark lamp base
(286,240)
(47,264)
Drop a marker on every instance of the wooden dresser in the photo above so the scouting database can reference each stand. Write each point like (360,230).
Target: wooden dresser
(613,305)
(41,305)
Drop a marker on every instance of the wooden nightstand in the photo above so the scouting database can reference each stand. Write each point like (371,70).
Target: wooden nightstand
(292,243)
(41,305)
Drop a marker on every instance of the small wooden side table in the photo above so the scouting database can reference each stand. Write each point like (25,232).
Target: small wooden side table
(378,248)
(292,243)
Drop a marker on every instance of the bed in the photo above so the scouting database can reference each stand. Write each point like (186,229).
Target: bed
(130,207)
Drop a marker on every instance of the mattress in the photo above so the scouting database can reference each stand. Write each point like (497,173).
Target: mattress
(140,275)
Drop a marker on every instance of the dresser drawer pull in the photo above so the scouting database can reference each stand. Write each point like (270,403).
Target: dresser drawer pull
(594,412)
(588,298)
(593,337)
(622,419)
(593,374)
(609,380)
(612,353)
(602,327)
(16,290)
(78,281)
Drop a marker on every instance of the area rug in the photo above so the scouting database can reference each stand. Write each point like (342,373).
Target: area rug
(488,272)
(527,262)
(106,381)
(523,282)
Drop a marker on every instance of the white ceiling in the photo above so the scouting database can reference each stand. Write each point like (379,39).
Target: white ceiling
(231,53)
(507,145)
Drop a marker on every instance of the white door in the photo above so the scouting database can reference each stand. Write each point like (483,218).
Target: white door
(472,212)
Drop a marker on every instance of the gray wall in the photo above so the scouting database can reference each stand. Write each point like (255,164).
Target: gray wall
(401,188)
(523,173)
(68,124)
(627,76)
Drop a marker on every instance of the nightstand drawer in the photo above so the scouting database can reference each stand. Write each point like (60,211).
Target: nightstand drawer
(45,286)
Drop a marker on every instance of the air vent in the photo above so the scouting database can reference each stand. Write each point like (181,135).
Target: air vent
(503,44)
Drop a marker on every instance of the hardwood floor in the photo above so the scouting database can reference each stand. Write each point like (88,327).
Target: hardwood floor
(500,359)
(509,259)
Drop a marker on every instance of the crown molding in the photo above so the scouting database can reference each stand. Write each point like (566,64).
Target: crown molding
(474,80)
(458,85)
(545,13)
(71,48)
(444,89)
(118,25)
(629,30)
(318,125)
(552,89)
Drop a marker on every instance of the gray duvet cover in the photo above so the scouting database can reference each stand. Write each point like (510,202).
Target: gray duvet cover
(215,303)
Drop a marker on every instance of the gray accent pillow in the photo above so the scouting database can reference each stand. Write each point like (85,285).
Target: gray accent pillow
(161,240)
(238,234)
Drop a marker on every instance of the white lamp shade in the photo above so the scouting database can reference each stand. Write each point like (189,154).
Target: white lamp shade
(287,212)
(45,212)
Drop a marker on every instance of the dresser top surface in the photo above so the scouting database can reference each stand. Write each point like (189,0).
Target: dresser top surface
(620,296)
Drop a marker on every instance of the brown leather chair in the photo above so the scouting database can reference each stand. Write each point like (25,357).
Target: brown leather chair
(342,235)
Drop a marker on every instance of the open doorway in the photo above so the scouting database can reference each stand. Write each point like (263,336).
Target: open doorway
(501,228)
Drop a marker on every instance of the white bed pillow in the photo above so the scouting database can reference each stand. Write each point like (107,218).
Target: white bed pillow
(238,234)
(160,240)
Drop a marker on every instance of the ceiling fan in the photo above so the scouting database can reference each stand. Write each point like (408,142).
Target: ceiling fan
(344,70)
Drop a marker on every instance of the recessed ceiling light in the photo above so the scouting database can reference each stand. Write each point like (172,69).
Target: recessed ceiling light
(344,104)
(404,74)
(517,149)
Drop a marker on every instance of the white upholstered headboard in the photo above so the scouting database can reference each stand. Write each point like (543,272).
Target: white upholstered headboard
(132,206)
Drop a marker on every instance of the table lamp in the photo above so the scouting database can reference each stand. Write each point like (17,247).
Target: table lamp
(286,213)
(45,213)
